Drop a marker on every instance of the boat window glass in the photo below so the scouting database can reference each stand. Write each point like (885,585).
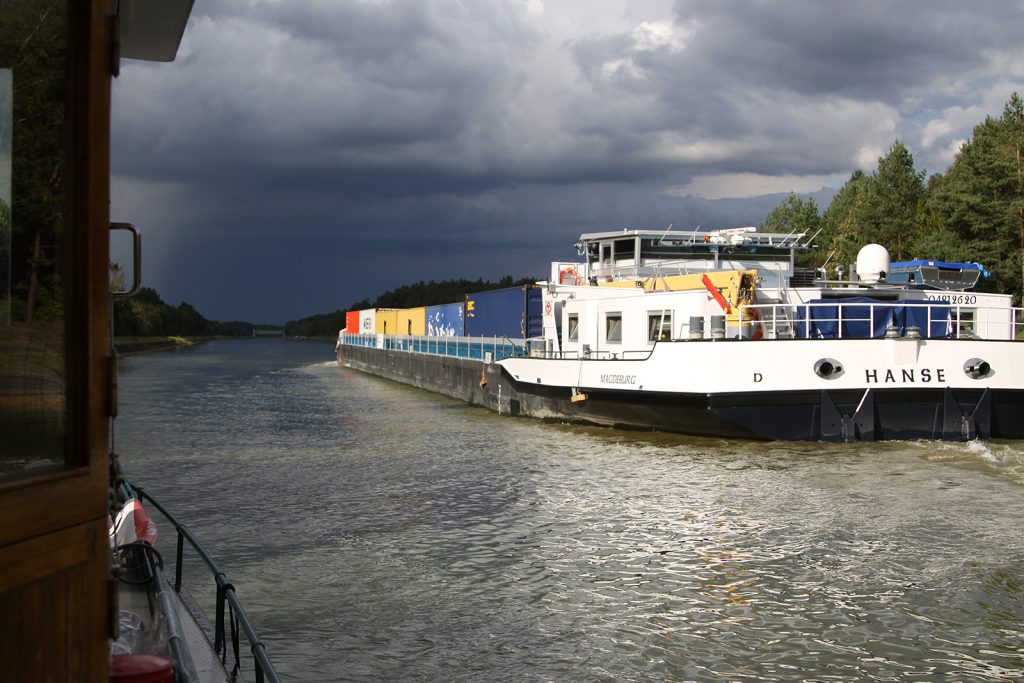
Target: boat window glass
(574,327)
(659,326)
(613,327)
(606,254)
(33,94)
(624,249)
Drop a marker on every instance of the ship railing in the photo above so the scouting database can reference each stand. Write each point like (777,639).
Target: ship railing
(229,614)
(600,354)
(493,348)
(861,320)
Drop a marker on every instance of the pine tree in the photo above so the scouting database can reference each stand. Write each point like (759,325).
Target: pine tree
(981,197)
(892,211)
(839,240)
(794,215)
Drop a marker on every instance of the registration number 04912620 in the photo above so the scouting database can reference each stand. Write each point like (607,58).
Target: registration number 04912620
(955,299)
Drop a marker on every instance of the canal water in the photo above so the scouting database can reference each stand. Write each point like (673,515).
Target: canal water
(376,532)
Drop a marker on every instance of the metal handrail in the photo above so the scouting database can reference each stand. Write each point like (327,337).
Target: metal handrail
(460,347)
(225,592)
(989,324)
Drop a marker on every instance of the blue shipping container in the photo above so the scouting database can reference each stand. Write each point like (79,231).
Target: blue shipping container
(514,313)
(445,320)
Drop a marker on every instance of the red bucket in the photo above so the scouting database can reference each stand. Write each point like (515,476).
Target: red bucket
(141,668)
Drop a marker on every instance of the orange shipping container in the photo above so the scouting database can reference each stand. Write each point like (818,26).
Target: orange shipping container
(352,322)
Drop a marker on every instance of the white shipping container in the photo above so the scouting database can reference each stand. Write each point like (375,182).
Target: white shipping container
(368,321)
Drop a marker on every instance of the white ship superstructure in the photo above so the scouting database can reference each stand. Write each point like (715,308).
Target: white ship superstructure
(721,333)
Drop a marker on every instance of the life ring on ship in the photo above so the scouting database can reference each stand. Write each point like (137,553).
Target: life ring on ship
(569,272)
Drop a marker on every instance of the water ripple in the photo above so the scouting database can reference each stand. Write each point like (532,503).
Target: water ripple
(377,532)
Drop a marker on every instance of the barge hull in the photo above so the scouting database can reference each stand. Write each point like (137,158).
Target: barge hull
(846,415)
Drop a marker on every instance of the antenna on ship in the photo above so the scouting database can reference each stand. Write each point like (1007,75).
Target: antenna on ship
(665,234)
(791,233)
(829,257)
(810,242)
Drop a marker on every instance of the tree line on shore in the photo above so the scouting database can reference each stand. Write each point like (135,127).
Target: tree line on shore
(972,212)
(147,315)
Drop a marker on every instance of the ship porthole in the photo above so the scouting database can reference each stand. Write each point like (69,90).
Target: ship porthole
(977,368)
(828,368)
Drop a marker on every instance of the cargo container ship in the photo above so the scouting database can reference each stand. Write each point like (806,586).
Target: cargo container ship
(719,333)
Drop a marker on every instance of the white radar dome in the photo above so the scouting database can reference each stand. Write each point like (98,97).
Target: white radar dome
(872,263)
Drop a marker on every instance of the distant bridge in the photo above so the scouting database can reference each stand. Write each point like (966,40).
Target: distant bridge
(267,333)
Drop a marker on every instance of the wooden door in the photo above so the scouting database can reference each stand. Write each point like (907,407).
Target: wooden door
(55,64)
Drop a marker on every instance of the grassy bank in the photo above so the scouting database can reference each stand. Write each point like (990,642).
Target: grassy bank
(130,345)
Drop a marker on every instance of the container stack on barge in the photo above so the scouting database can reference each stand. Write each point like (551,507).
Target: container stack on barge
(719,333)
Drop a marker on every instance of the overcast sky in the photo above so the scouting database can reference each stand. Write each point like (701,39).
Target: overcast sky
(303,154)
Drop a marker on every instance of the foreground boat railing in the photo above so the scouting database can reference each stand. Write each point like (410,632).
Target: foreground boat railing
(226,596)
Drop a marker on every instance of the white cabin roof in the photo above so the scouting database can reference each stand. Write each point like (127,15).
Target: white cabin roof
(735,236)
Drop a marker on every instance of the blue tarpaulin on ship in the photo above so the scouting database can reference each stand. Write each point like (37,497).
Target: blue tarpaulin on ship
(945,265)
(867,318)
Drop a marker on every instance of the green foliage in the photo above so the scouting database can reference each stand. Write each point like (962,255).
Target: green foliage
(434,293)
(980,200)
(33,45)
(883,208)
(891,214)
(322,325)
(838,241)
(793,216)
(973,213)
(147,315)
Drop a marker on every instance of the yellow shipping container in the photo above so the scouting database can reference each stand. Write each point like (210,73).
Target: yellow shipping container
(412,321)
(387,321)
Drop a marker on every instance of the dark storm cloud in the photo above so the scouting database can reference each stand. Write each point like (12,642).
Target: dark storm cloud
(310,139)
(793,80)
(333,84)
(866,50)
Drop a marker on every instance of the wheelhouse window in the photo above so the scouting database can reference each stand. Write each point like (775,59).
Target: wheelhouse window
(606,254)
(574,327)
(659,326)
(625,249)
(613,328)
